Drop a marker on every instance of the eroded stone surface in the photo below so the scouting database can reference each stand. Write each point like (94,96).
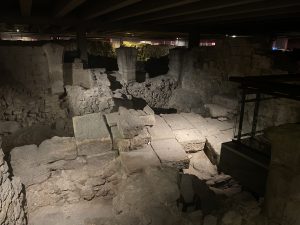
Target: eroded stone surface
(176,121)
(91,133)
(139,160)
(170,153)
(160,130)
(12,208)
(191,139)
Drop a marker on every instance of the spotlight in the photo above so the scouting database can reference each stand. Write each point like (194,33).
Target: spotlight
(18,30)
(233,36)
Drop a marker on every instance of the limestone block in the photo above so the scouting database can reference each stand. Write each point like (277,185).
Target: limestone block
(160,130)
(140,159)
(140,140)
(119,143)
(148,110)
(191,139)
(112,119)
(81,77)
(57,148)
(171,153)
(213,145)
(127,58)
(129,125)
(26,165)
(54,55)
(91,133)
(176,121)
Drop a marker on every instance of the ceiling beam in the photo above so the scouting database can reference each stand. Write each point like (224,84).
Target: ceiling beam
(192,9)
(100,8)
(63,7)
(146,7)
(25,7)
(37,20)
(240,10)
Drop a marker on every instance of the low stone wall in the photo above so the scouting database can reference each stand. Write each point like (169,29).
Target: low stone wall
(12,209)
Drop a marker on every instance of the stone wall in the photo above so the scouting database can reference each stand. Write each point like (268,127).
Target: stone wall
(205,72)
(31,82)
(38,68)
(12,209)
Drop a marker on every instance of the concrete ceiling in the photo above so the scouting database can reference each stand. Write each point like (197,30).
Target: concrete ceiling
(152,17)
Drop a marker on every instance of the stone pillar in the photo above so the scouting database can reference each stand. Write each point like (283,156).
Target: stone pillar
(82,45)
(282,200)
(80,76)
(127,58)
(175,62)
(54,55)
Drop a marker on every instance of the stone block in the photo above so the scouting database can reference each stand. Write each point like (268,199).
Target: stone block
(176,121)
(119,143)
(112,119)
(140,140)
(171,153)
(129,125)
(139,160)
(26,165)
(91,133)
(160,130)
(127,58)
(57,148)
(191,139)
(148,110)
(82,77)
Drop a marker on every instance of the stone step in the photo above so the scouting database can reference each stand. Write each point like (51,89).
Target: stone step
(191,139)
(160,130)
(176,121)
(171,153)
(138,160)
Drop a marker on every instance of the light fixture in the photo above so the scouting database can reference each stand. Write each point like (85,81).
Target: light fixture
(18,30)
(233,36)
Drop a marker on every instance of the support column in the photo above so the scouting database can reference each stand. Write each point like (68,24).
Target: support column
(127,58)
(194,39)
(176,56)
(54,55)
(82,45)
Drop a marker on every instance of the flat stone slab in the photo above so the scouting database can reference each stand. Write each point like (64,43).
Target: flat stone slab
(171,153)
(176,121)
(26,165)
(191,139)
(112,119)
(90,126)
(193,118)
(213,146)
(91,133)
(57,148)
(139,160)
(160,130)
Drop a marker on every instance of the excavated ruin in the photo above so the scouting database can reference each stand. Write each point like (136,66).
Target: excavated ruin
(95,147)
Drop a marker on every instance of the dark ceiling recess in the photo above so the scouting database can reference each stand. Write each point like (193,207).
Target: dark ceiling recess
(148,16)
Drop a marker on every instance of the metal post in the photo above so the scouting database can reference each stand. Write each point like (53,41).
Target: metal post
(241,115)
(255,115)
